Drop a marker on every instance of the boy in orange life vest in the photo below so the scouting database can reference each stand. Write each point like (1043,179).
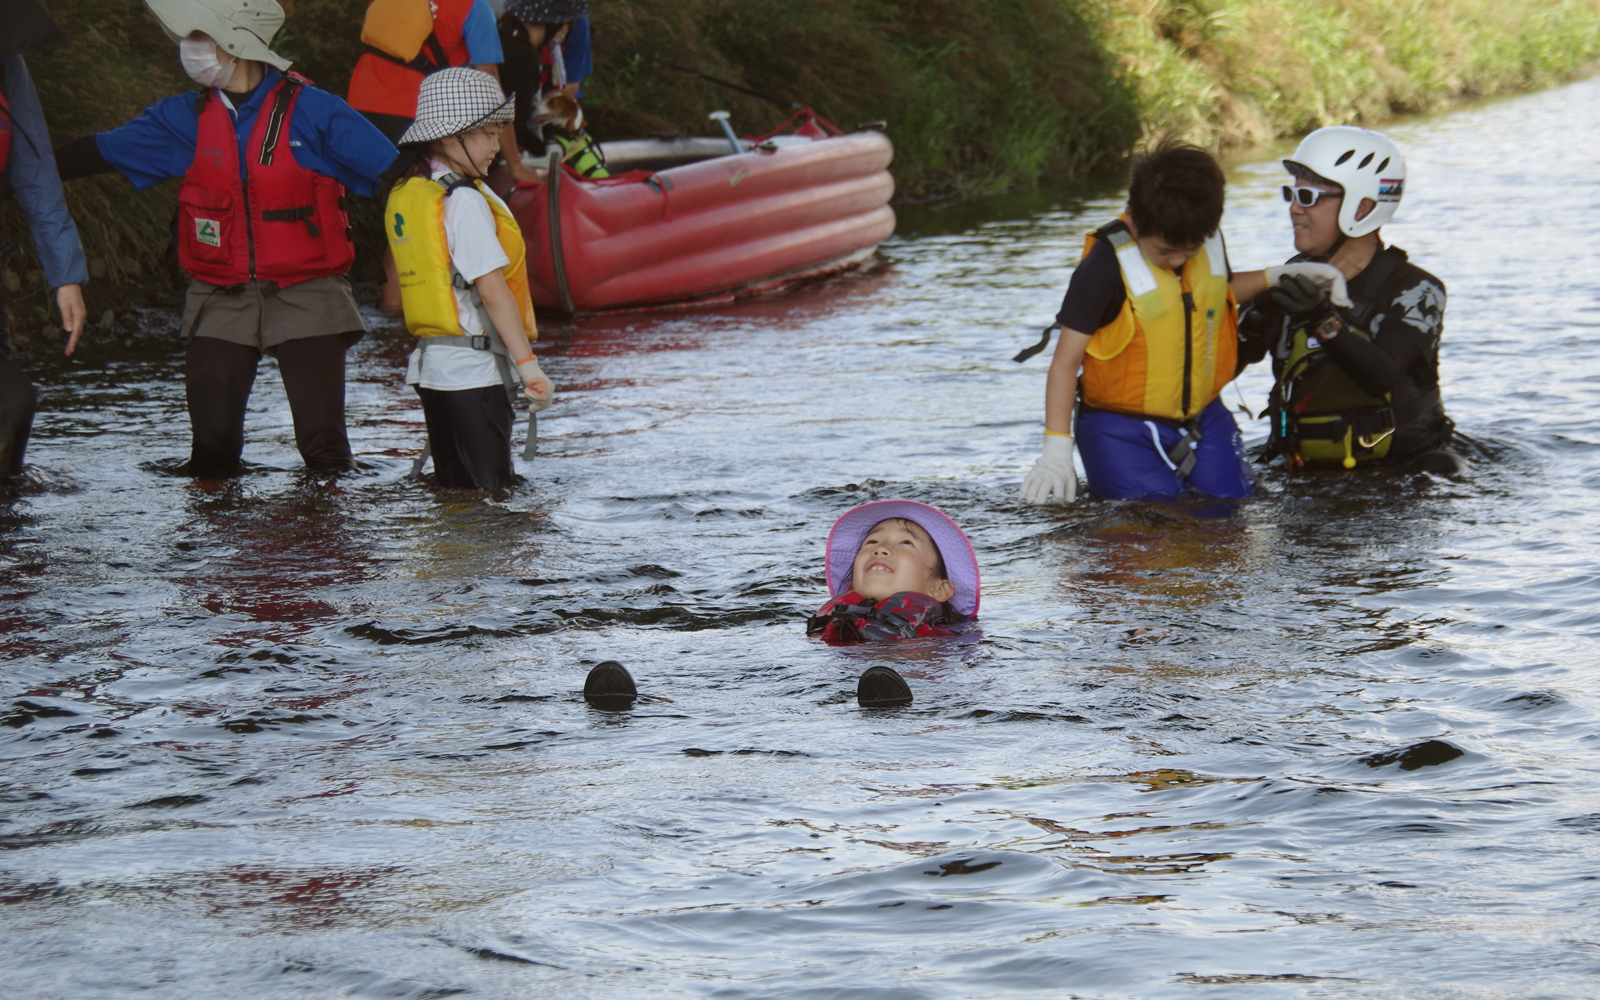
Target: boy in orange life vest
(404,41)
(444,224)
(1151,319)
(265,160)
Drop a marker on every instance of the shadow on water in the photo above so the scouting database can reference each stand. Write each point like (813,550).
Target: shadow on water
(306,736)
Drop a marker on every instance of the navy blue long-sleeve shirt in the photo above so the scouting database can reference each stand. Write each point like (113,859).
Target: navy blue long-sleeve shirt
(325,135)
(31,170)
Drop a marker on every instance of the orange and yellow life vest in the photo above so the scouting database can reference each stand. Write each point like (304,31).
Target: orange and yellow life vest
(1174,346)
(414,221)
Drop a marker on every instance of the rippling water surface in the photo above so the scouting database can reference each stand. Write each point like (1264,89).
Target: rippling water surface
(292,737)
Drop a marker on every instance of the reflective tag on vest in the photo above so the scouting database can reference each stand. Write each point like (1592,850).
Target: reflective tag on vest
(1135,269)
(1217,254)
(208,231)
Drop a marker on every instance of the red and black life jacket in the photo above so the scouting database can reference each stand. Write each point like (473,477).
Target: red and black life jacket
(852,618)
(286,224)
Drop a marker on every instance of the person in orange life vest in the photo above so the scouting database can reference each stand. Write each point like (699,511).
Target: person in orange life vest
(1151,320)
(547,47)
(897,569)
(265,159)
(29,172)
(404,41)
(460,377)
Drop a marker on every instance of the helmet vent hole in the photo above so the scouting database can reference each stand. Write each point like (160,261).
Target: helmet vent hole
(1340,161)
(1365,160)
(1382,165)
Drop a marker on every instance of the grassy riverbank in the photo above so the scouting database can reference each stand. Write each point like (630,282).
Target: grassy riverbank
(979,97)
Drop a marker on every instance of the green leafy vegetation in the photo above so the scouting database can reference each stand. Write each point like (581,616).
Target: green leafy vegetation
(978,97)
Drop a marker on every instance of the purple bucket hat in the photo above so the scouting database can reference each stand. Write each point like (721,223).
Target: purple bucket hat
(960,562)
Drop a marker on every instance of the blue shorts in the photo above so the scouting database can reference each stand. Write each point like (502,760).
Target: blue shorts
(1126,456)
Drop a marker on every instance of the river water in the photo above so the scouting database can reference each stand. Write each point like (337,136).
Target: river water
(298,737)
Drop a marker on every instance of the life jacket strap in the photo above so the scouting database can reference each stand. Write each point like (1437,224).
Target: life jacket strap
(429,60)
(280,111)
(1182,455)
(1370,425)
(298,214)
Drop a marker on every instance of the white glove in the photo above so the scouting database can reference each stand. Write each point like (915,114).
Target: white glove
(1326,275)
(528,371)
(1053,473)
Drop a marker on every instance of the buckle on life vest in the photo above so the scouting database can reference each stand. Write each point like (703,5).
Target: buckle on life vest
(303,212)
(1372,426)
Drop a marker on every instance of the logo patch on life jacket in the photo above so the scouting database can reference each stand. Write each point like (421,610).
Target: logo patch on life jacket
(399,225)
(208,231)
(1391,190)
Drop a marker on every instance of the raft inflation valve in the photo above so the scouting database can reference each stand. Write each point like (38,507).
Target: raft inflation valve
(721,118)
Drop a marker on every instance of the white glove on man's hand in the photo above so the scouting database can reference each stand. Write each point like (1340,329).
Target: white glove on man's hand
(1053,473)
(1326,275)
(536,385)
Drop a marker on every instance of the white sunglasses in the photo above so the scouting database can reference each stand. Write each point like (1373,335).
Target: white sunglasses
(1307,196)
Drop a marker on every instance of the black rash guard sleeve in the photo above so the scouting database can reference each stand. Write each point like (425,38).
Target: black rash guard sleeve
(81,158)
(1095,294)
(1405,338)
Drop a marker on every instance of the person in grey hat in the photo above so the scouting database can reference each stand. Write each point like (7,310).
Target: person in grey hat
(28,169)
(465,287)
(546,44)
(265,159)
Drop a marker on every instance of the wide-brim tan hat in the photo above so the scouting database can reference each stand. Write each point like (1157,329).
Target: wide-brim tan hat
(457,100)
(241,28)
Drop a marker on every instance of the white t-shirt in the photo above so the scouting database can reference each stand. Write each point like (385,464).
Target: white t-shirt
(475,250)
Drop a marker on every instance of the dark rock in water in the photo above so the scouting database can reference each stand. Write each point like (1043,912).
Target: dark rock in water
(1418,756)
(882,687)
(1440,463)
(610,688)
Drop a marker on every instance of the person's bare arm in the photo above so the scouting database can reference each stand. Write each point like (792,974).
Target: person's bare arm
(1061,387)
(507,318)
(1247,285)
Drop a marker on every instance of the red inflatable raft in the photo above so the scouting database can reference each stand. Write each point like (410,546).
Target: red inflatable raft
(687,220)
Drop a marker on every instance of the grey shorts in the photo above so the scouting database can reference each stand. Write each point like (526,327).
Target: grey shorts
(257,316)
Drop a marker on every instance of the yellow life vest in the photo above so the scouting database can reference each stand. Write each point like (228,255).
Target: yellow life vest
(414,221)
(1174,346)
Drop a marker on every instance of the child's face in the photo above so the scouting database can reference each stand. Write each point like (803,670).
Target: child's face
(472,152)
(1164,254)
(898,555)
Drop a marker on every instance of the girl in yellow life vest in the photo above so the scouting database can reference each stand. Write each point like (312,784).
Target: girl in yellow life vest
(1151,320)
(463,283)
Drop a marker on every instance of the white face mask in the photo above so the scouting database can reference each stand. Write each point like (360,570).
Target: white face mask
(200,62)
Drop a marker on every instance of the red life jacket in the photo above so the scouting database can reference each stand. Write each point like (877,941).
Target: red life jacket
(5,133)
(383,83)
(287,224)
(851,618)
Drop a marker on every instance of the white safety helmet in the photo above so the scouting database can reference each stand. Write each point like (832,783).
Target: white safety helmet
(1365,163)
(241,28)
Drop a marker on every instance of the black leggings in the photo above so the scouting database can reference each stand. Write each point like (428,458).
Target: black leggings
(17,402)
(217,380)
(469,431)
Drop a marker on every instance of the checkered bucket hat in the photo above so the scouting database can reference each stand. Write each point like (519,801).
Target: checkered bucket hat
(457,100)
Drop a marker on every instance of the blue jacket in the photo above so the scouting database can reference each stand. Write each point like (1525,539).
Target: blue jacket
(326,135)
(31,169)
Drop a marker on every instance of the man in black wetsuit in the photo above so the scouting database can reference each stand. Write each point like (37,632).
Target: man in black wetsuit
(1357,384)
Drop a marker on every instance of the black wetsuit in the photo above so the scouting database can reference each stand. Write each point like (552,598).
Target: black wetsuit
(1404,316)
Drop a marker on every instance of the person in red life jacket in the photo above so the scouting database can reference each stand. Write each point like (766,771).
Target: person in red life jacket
(547,48)
(403,42)
(28,171)
(265,159)
(897,569)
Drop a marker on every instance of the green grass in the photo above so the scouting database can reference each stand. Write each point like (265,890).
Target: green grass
(980,97)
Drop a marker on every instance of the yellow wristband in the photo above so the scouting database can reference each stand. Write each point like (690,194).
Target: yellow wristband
(1058,434)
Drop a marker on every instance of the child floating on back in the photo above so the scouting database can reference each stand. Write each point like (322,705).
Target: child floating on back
(898,569)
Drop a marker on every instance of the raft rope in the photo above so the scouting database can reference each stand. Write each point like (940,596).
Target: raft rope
(788,105)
